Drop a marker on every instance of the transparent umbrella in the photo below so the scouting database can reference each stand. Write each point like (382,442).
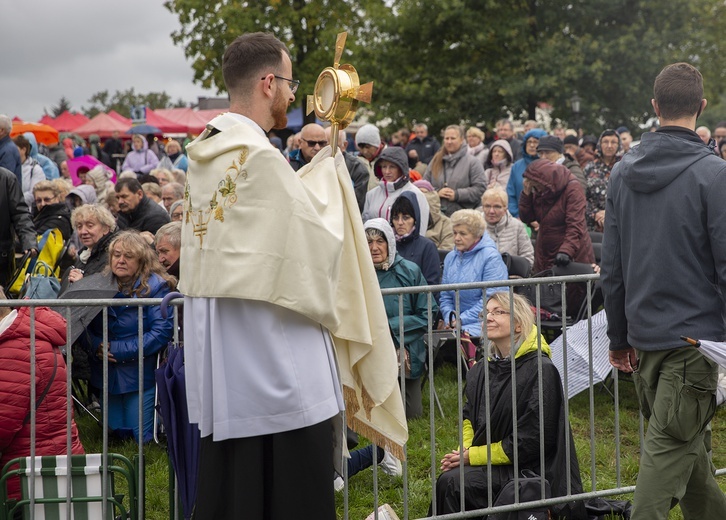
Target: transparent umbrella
(713,350)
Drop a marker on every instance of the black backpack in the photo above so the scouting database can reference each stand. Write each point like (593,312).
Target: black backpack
(530,489)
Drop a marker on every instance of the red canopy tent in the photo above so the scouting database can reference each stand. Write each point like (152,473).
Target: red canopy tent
(66,122)
(119,117)
(166,126)
(191,119)
(103,125)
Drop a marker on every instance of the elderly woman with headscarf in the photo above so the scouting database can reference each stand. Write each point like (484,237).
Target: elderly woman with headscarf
(457,176)
(394,271)
(475,259)
(392,164)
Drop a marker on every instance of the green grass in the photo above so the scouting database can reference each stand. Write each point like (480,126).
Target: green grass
(391,490)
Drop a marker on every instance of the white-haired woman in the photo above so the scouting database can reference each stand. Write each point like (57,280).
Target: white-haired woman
(96,227)
(513,338)
(474,259)
(509,234)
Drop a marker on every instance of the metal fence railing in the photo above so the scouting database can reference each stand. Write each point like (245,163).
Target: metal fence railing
(599,433)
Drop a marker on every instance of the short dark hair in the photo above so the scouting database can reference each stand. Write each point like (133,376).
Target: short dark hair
(678,90)
(133,185)
(402,206)
(247,57)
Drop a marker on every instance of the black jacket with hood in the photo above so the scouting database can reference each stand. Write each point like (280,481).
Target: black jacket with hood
(664,249)
(419,249)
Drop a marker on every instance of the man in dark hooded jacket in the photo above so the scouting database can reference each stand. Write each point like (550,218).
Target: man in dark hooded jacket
(664,276)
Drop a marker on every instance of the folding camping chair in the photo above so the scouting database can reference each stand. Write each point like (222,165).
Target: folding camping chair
(51,249)
(50,476)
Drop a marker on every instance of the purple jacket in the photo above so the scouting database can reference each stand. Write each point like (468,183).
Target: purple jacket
(143,160)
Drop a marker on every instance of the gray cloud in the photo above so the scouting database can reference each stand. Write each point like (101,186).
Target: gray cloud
(76,48)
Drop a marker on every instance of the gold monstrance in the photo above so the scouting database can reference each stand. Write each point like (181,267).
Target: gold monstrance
(337,93)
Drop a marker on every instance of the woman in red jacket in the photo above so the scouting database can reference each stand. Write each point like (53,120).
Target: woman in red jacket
(50,373)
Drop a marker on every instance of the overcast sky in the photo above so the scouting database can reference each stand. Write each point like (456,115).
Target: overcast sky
(75,48)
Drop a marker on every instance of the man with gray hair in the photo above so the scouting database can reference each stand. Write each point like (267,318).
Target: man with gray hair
(422,147)
(9,154)
(168,246)
(505,130)
(170,193)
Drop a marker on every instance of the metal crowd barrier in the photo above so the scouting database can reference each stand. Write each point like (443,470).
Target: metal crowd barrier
(620,487)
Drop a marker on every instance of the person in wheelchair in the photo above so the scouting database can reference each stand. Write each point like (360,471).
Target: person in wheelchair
(528,350)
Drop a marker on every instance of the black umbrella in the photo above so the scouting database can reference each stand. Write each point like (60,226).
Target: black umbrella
(93,287)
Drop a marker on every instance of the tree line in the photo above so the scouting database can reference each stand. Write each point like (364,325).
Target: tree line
(473,61)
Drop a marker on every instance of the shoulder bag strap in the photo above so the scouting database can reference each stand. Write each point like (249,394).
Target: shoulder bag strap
(47,387)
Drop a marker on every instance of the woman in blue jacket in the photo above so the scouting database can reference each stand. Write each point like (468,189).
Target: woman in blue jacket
(474,259)
(516,177)
(139,274)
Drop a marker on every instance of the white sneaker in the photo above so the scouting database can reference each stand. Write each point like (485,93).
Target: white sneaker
(391,465)
(385,512)
(338,484)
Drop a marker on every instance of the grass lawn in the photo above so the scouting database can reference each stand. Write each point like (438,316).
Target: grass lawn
(419,478)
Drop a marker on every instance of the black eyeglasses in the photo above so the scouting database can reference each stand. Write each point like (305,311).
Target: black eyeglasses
(313,144)
(294,83)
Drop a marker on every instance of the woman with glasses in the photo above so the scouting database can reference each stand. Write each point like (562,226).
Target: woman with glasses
(509,234)
(489,438)
(597,174)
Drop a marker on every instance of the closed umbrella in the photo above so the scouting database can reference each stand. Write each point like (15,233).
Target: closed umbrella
(713,350)
(183,438)
(578,354)
(92,287)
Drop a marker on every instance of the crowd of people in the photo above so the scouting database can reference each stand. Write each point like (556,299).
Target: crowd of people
(432,213)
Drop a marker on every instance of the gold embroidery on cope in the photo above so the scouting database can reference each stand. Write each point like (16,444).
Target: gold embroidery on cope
(227,189)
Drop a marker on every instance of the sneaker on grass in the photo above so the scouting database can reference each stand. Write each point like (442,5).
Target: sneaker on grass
(391,465)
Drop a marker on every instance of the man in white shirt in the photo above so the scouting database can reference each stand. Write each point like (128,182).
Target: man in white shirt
(262,379)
